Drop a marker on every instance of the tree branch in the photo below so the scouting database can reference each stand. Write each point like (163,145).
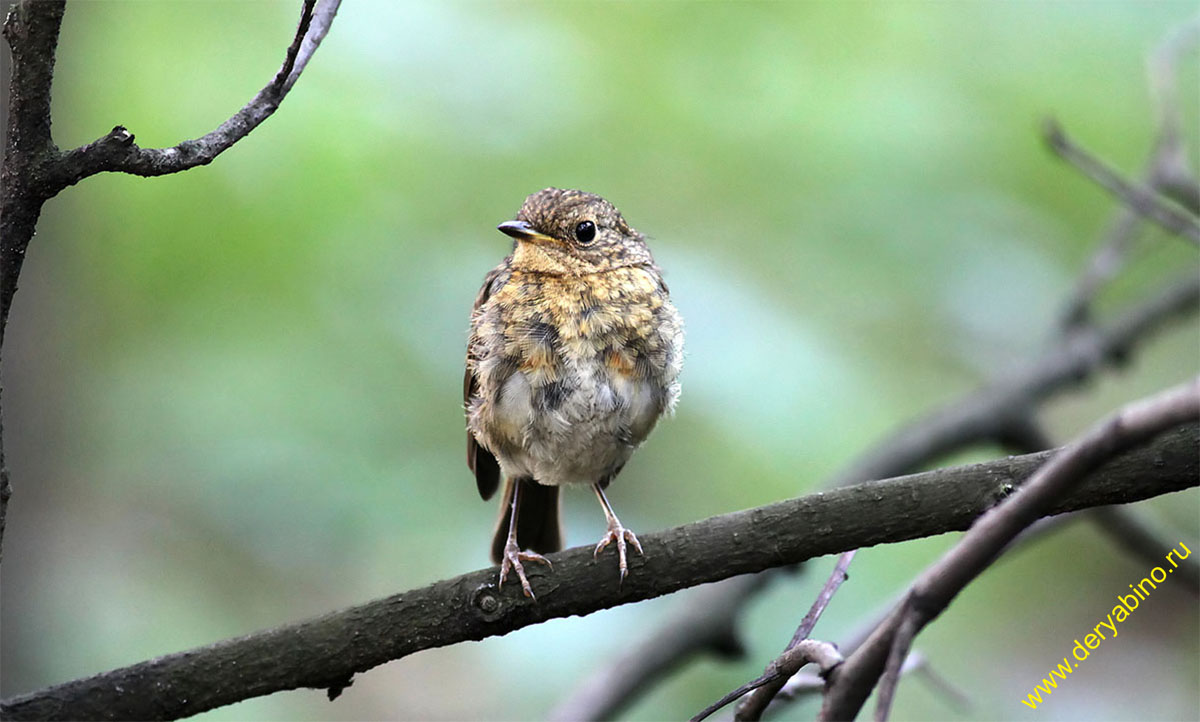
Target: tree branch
(327,651)
(936,587)
(116,151)
(31,30)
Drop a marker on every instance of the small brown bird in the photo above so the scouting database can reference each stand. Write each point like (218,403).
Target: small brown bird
(574,354)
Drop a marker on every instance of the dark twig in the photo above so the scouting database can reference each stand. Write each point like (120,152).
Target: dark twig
(116,152)
(934,589)
(823,654)
(289,60)
(901,644)
(1139,198)
(327,651)
(752,707)
(836,577)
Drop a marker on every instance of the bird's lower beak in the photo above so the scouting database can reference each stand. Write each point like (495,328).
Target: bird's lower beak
(522,231)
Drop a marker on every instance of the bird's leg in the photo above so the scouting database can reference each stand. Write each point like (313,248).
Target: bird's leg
(616,533)
(513,556)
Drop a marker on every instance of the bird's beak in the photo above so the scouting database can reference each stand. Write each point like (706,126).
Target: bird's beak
(522,231)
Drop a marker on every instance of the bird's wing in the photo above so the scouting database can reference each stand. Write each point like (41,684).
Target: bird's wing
(480,461)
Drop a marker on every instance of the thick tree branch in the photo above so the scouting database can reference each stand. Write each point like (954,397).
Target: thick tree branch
(31,30)
(327,651)
(852,682)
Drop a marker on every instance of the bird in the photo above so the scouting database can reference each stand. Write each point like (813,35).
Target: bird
(573,355)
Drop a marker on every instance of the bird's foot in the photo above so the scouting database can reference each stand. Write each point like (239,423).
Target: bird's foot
(620,535)
(513,556)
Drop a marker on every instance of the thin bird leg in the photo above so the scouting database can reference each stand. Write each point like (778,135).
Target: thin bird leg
(513,556)
(616,533)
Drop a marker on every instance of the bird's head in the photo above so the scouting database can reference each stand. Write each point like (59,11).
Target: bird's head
(571,232)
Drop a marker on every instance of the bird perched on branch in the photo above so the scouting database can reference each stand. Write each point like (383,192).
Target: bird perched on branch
(574,354)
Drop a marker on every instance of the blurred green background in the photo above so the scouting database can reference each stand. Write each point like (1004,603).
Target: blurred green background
(233,395)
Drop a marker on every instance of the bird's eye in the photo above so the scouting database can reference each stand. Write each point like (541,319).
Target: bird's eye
(585,232)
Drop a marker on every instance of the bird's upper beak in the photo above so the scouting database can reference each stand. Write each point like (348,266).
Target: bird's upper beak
(522,231)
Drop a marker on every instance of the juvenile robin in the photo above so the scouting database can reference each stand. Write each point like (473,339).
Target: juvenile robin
(574,354)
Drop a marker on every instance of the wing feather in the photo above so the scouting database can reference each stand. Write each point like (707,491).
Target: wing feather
(480,461)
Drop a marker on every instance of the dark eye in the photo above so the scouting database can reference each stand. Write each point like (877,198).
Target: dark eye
(585,232)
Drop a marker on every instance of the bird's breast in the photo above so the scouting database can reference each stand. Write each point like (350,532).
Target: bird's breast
(580,368)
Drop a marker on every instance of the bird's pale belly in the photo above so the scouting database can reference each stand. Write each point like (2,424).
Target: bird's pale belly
(578,429)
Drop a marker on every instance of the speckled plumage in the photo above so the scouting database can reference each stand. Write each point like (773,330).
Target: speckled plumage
(574,353)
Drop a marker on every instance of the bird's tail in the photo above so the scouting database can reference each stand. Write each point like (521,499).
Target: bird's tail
(538,526)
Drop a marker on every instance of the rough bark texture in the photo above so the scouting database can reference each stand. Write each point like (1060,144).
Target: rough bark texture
(32,33)
(326,652)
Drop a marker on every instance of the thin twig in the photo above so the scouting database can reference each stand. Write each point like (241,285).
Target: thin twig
(752,707)
(289,60)
(116,151)
(823,654)
(836,577)
(1141,199)
(901,643)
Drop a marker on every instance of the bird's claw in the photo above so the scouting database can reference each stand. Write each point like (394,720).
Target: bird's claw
(513,556)
(620,535)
